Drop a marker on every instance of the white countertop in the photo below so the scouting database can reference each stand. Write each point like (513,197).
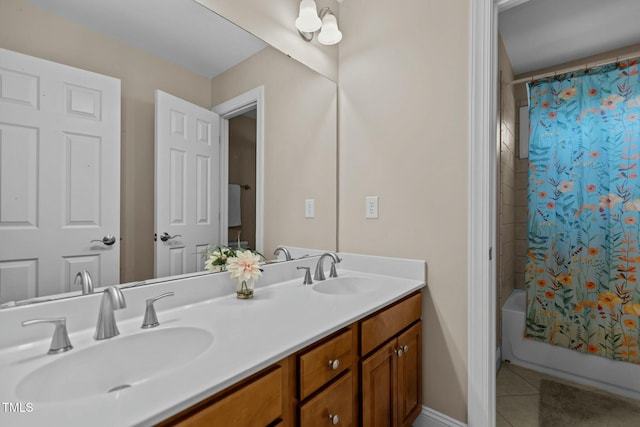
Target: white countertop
(248,335)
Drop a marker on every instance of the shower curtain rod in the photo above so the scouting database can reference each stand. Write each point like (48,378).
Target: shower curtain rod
(575,68)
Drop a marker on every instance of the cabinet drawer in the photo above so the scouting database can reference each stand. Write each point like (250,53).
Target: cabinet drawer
(258,403)
(325,362)
(384,325)
(335,401)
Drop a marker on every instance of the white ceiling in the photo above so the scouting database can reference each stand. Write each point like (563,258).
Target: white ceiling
(182,32)
(542,33)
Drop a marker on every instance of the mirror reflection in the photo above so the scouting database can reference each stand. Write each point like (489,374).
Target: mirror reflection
(102,184)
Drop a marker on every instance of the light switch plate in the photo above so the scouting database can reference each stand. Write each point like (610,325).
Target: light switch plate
(310,208)
(371,207)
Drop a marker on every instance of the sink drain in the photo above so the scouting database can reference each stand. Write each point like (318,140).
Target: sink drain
(119,387)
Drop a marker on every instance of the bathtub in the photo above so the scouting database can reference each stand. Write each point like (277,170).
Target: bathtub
(614,376)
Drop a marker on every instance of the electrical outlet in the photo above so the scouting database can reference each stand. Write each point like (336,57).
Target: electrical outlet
(371,207)
(310,208)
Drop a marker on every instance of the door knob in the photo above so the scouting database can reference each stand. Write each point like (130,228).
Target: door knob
(166,236)
(108,240)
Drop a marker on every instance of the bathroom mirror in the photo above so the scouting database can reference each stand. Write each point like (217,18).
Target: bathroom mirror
(299,118)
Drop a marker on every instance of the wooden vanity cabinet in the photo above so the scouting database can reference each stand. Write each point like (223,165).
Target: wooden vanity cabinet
(391,367)
(367,374)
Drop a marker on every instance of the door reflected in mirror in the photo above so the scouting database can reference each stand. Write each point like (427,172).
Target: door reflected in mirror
(299,132)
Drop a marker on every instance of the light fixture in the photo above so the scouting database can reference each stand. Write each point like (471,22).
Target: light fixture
(309,22)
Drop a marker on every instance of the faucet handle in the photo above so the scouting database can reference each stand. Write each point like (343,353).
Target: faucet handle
(307,275)
(60,341)
(150,317)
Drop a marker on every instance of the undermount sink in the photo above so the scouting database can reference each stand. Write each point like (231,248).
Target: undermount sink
(113,365)
(348,286)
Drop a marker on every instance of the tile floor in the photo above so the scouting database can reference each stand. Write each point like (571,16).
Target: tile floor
(517,395)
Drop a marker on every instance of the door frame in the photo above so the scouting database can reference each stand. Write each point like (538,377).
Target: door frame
(240,104)
(481,279)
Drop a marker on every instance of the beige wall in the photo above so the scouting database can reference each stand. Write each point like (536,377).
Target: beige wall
(403,131)
(300,146)
(27,29)
(506,184)
(242,171)
(273,22)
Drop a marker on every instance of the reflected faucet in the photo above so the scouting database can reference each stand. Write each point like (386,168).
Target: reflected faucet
(319,274)
(112,299)
(85,282)
(285,251)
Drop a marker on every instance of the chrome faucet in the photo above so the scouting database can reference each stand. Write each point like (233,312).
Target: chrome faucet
(319,274)
(112,299)
(85,282)
(150,317)
(60,341)
(285,251)
(307,275)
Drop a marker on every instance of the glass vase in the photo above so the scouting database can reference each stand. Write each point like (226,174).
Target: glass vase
(244,289)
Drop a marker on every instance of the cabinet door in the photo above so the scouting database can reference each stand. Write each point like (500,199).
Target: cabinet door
(379,387)
(410,375)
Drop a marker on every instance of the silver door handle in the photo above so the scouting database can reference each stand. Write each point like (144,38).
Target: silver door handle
(166,236)
(108,240)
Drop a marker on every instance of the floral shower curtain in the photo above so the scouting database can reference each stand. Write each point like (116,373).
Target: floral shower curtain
(583,263)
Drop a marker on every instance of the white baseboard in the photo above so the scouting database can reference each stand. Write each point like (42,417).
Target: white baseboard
(432,418)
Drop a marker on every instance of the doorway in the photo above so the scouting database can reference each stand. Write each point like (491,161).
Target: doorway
(242,180)
(242,169)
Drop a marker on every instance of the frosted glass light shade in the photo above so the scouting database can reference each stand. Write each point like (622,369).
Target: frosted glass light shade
(330,34)
(308,21)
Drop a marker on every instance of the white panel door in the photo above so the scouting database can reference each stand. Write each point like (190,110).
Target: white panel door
(59,176)
(187,184)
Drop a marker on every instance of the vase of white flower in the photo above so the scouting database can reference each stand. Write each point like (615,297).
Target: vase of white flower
(217,259)
(245,270)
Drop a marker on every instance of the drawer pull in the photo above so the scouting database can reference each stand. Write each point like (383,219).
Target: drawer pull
(334,419)
(399,352)
(334,364)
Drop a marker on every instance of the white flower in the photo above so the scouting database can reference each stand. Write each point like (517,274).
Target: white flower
(244,266)
(209,266)
(217,259)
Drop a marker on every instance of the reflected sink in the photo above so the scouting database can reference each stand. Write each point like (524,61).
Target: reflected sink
(113,365)
(348,286)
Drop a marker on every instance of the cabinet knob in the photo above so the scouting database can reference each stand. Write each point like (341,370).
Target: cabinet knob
(334,364)
(334,419)
(405,348)
(399,352)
